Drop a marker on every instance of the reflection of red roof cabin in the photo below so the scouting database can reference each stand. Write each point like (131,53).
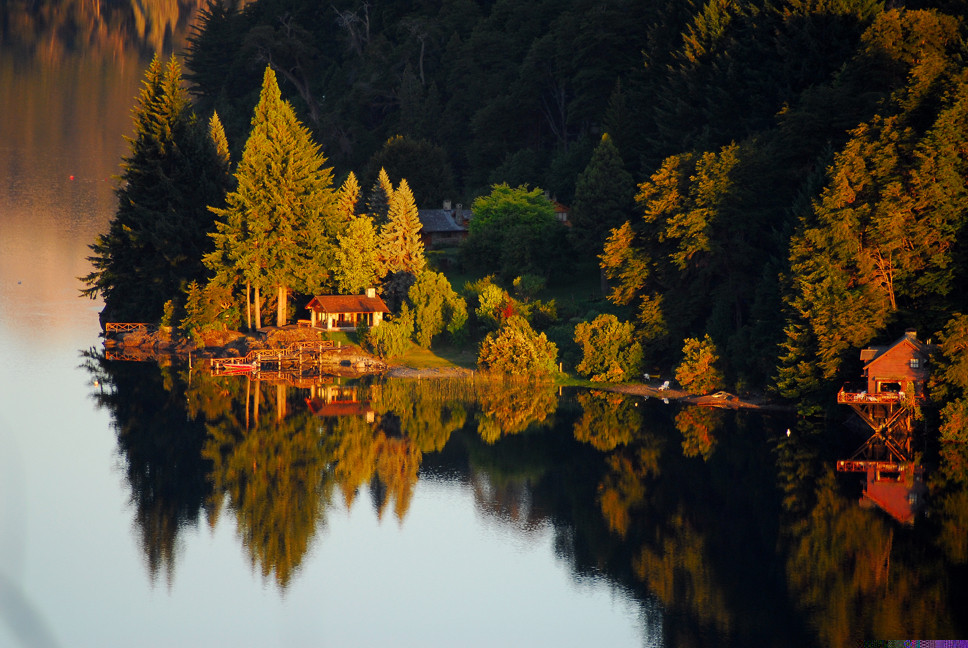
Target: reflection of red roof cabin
(346,311)
(894,373)
(336,400)
(899,493)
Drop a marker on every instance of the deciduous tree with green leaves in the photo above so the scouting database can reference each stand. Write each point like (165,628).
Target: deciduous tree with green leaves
(356,259)
(436,307)
(514,231)
(609,350)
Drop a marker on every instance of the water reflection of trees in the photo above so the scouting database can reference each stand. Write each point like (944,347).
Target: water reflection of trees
(258,451)
(858,575)
(751,540)
(54,29)
(162,452)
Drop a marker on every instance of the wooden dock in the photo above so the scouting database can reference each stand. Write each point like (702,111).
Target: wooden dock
(290,363)
(128,327)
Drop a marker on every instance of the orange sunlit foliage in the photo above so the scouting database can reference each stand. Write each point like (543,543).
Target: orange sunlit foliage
(623,488)
(272,477)
(512,406)
(608,420)
(397,464)
(846,573)
(677,569)
(698,426)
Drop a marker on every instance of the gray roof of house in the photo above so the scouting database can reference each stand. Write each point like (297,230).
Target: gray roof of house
(442,220)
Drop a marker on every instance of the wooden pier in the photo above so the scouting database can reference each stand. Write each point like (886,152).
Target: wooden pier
(291,363)
(128,327)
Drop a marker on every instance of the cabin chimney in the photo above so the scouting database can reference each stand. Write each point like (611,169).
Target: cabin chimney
(446,204)
(911,334)
(371,292)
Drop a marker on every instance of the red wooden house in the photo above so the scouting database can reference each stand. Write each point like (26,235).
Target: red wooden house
(895,377)
(901,368)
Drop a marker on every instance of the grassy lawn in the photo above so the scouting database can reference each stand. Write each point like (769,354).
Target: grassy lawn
(345,338)
(419,358)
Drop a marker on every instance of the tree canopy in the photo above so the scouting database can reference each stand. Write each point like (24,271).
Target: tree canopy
(174,169)
(279,226)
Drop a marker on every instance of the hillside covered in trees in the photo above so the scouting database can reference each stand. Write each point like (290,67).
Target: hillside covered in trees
(784,180)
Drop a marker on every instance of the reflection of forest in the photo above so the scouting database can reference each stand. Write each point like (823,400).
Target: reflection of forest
(52,30)
(738,533)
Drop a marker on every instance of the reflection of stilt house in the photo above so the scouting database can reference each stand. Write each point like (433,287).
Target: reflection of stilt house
(895,379)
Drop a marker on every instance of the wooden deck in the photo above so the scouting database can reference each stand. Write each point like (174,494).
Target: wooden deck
(293,361)
(851,398)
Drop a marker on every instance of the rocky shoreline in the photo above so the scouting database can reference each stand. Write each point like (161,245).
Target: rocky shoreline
(147,345)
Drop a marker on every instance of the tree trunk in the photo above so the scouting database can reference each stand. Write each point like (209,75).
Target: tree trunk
(248,306)
(282,303)
(255,405)
(258,308)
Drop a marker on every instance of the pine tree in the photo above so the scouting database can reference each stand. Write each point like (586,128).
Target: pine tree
(399,247)
(217,132)
(159,234)
(603,198)
(378,202)
(348,198)
(278,229)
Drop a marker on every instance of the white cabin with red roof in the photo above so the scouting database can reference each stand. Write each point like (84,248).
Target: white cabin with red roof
(344,312)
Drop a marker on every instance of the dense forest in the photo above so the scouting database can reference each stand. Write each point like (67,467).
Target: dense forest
(783,180)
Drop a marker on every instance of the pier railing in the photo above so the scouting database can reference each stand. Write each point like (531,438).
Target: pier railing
(128,327)
(293,356)
(849,398)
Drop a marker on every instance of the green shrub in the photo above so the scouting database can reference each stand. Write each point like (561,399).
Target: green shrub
(609,350)
(392,337)
(527,287)
(516,349)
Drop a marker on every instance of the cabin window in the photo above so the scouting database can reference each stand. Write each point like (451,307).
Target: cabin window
(914,363)
(889,387)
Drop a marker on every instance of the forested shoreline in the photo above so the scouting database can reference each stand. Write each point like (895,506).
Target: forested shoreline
(776,184)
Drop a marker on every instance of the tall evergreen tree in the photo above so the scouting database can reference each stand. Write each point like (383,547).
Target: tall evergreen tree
(156,240)
(603,198)
(278,229)
(348,198)
(378,201)
(400,248)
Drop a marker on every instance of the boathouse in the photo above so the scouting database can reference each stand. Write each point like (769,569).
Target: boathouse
(894,381)
(335,312)
(895,377)
(899,368)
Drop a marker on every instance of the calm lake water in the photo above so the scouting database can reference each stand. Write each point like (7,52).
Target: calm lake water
(154,505)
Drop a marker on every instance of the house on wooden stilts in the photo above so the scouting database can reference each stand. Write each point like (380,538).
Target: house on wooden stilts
(894,386)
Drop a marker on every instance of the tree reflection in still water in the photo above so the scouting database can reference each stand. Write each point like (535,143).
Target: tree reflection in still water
(739,532)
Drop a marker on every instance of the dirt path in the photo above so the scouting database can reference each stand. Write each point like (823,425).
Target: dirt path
(720,399)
